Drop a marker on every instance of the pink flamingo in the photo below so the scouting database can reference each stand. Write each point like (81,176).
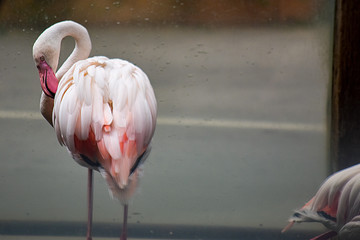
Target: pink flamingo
(336,205)
(103,110)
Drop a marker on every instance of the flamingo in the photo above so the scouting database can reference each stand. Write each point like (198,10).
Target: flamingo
(336,205)
(103,111)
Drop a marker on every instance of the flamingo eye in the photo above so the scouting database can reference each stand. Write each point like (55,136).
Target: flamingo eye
(42,58)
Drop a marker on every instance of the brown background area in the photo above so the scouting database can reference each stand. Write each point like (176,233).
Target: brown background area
(44,12)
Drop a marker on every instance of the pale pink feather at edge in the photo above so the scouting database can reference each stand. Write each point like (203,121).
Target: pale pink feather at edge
(336,205)
(105,109)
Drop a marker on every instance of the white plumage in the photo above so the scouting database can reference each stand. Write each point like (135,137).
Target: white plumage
(111,97)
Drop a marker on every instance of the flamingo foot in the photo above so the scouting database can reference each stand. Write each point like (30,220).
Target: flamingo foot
(123,236)
(325,236)
(89,204)
(124,228)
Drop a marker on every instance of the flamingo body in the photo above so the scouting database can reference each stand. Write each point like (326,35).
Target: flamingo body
(105,114)
(336,205)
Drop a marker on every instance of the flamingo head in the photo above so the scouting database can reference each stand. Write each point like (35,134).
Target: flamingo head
(48,80)
(46,52)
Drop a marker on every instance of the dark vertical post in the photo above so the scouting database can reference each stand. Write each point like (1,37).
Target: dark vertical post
(345,102)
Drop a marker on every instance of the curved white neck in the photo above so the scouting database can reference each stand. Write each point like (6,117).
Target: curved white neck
(49,44)
(82,47)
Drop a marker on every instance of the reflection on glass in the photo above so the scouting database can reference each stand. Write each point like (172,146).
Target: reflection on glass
(241,135)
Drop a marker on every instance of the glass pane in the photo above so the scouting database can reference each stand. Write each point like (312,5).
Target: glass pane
(242,90)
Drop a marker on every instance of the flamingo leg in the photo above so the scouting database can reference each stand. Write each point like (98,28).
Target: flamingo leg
(124,228)
(89,204)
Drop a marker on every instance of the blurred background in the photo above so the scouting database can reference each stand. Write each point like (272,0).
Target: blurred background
(241,140)
(30,13)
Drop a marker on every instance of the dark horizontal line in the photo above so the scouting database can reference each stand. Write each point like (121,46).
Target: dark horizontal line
(76,229)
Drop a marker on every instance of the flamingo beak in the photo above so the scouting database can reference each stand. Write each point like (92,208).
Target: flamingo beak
(48,80)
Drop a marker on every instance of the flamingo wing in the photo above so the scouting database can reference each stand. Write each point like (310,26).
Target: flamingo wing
(105,114)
